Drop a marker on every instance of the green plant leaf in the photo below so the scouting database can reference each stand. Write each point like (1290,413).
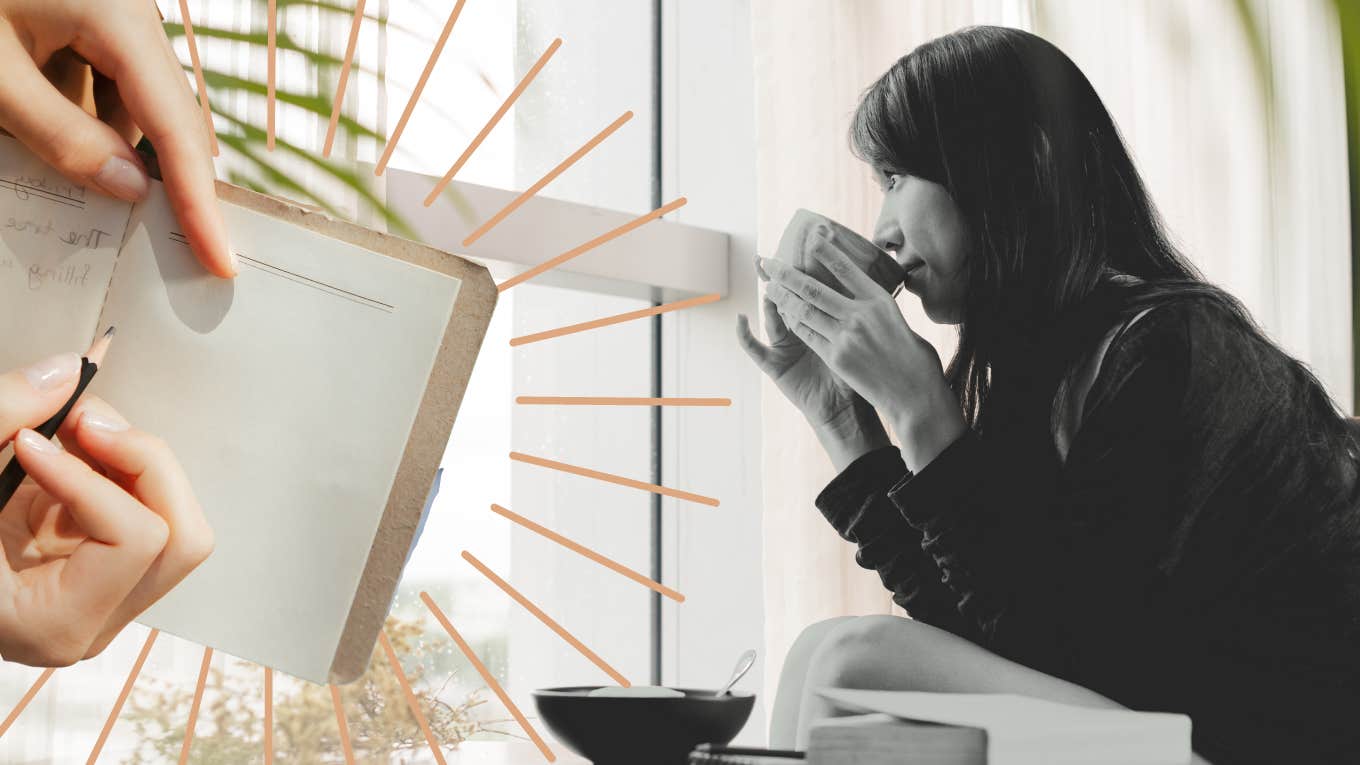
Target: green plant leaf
(319,105)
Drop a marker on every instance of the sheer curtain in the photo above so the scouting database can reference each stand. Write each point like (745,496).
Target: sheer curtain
(1255,193)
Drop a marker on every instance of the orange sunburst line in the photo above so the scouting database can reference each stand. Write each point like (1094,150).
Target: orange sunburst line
(32,691)
(193,708)
(584,326)
(271,81)
(122,697)
(621,401)
(528,193)
(268,716)
(586,552)
(342,725)
(491,123)
(198,75)
(344,76)
(420,86)
(487,677)
(411,700)
(592,244)
(615,479)
(548,621)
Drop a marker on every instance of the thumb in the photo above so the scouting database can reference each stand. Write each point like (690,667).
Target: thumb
(29,396)
(80,147)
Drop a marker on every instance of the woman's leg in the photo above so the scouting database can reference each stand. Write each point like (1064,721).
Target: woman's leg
(788,698)
(892,653)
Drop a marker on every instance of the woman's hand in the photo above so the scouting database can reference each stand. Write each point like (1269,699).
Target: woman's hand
(84,79)
(97,533)
(844,423)
(865,340)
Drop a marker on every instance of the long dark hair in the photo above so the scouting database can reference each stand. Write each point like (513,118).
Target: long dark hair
(1013,130)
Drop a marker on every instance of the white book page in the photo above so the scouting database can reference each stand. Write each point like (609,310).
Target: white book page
(58,245)
(289,395)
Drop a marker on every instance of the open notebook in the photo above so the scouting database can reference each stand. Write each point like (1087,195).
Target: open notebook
(309,400)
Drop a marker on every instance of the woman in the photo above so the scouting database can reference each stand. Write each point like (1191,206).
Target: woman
(1120,492)
(104,528)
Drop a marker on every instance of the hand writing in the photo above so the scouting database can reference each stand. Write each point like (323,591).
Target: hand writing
(84,79)
(865,340)
(97,533)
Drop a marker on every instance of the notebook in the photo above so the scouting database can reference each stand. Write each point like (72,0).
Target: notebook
(309,400)
(880,739)
(1020,730)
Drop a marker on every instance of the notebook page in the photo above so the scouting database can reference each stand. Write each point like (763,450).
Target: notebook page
(58,244)
(289,395)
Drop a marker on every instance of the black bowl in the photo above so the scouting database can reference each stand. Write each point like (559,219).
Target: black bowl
(618,730)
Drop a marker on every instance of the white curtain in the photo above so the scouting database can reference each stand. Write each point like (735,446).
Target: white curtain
(1256,196)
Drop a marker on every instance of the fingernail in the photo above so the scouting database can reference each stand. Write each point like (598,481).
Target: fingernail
(234,260)
(32,440)
(51,373)
(123,179)
(103,422)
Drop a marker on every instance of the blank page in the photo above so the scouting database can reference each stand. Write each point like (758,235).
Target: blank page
(289,395)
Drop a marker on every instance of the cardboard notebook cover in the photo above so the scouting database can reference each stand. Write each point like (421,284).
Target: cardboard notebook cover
(444,391)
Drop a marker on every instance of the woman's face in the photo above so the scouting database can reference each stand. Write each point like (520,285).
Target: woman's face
(924,229)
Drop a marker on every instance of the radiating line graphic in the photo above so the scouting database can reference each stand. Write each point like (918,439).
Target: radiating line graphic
(592,244)
(548,621)
(411,700)
(270,87)
(580,549)
(344,726)
(344,76)
(615,479)
(198,75)
(620,401)
(193,708)
(122,697)
(268,716)
(572,329)
(28,696)
(420,86)
(528,193)
(487,676)
(491,123)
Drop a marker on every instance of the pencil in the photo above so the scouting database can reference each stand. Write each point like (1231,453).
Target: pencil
(14,474)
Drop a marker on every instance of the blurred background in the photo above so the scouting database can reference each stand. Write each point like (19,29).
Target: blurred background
(1241,116)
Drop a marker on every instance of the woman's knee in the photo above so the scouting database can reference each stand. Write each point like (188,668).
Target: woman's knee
(873,652)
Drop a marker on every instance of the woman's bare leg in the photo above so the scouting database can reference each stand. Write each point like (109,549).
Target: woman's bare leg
(892,653)
(788,699)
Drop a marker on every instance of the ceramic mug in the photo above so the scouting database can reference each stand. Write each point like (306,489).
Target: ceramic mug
(796,243)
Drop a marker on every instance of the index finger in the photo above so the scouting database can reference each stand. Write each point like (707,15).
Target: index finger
(131,49)
(843,268)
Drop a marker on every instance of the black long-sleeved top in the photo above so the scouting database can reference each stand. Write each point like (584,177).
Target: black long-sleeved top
(1197,551)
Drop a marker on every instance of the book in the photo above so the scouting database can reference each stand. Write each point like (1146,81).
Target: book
(881,739)
(309,399)
(1015,730)
(712,754)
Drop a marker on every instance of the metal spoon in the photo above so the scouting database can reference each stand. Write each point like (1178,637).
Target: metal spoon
(744,664)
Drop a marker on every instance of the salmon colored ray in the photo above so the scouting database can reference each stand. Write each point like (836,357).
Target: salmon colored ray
(420,86)
(32,691)
(487,677)
(616,319)
(588,553)
(411,700)
(592,244)
(616,479)
(621,401)
(122,697)
(268,716)
(193,708)
(548,621)
(491,123)
(344,76)
(270,87)
(343,726)
(198,75)
(528,193)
